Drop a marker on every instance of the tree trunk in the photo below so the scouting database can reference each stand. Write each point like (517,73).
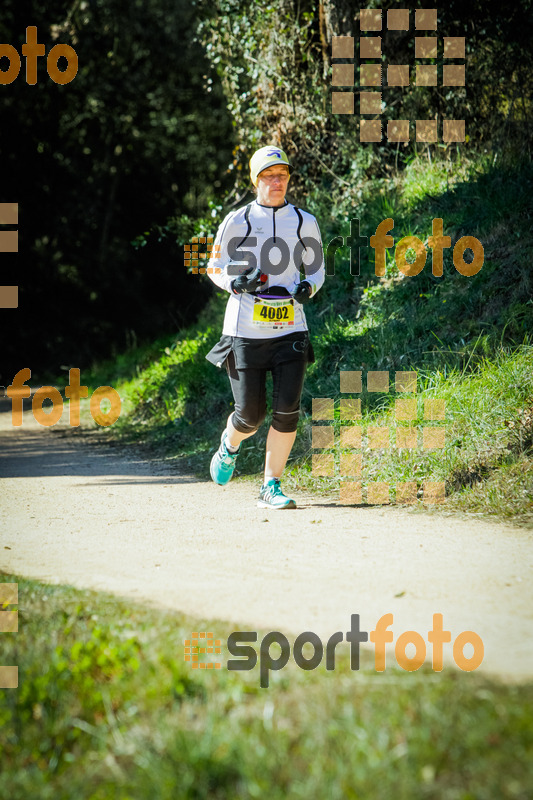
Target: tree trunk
(336,18)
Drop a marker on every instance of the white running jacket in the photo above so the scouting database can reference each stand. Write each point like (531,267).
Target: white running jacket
(280,240)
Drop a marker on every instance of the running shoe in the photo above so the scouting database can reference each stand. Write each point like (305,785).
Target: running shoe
(223,463)
(271,496)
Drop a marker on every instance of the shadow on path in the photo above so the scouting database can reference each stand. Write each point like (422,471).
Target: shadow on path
(30,452)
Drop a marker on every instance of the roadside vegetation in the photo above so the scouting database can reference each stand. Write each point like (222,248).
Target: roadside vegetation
(108,708)
(467,338)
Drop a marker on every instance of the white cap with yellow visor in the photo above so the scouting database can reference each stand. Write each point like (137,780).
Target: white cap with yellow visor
(266,157)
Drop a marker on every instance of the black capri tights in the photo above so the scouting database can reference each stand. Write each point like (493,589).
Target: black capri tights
(249,392)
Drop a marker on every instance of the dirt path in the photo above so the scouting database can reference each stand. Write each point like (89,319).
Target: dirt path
(98,517)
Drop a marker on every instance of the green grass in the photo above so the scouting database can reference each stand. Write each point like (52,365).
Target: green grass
(462,335)
(107,709)
(487,458)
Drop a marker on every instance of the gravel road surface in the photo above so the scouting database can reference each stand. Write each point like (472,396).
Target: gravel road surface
(100,517)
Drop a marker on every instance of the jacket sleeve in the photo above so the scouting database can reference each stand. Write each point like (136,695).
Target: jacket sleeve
(313,256)
(217,267)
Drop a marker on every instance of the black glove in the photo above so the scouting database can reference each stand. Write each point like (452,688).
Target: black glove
(247,282)
(303,292)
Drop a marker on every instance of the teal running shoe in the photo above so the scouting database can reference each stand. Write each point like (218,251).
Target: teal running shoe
(223,463)
(271,496)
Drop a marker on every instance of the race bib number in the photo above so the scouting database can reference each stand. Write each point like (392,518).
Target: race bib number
(273,313)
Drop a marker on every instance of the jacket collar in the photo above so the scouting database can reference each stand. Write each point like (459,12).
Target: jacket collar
(274,208)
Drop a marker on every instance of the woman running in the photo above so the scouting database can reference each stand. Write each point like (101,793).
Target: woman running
(259,254)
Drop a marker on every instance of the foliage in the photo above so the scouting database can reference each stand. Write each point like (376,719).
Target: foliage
(268,58)
(460,332)
(487,458)
(134,138)
(274,61)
